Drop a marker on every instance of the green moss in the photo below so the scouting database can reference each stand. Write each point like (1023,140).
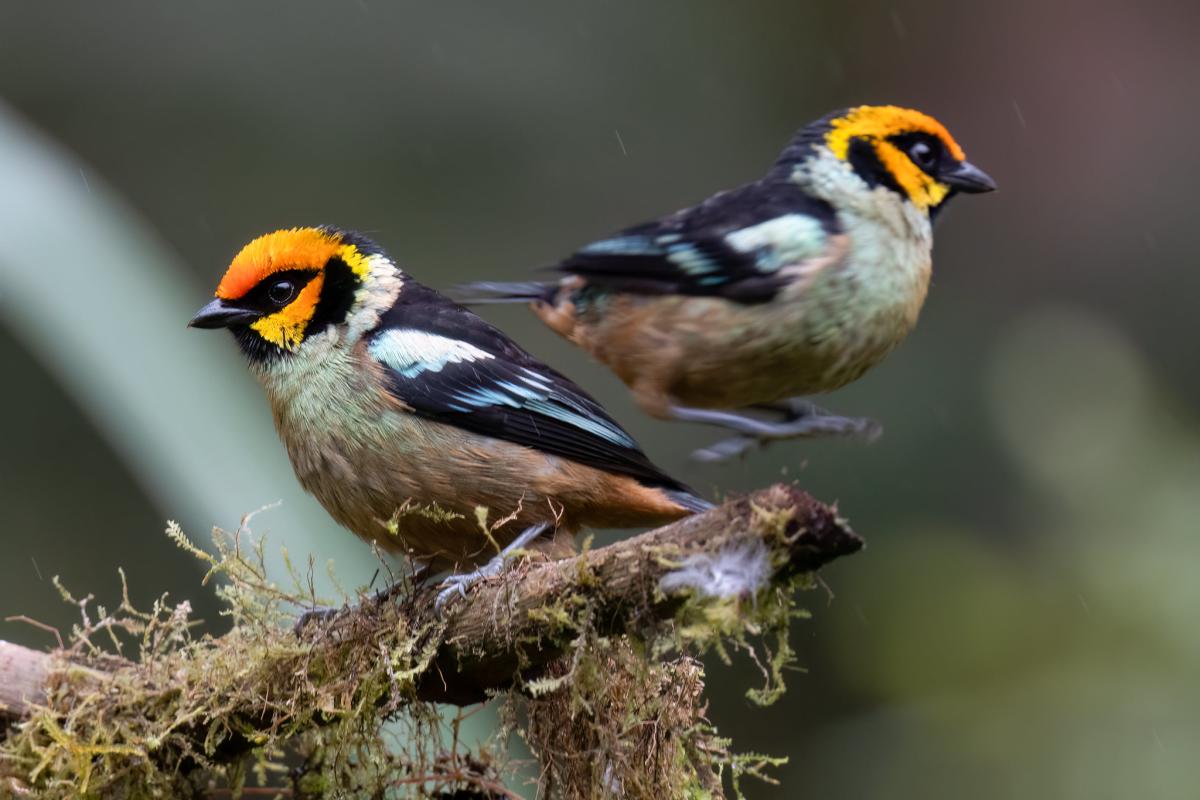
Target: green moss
(430,511)
(160,726)
(757,627)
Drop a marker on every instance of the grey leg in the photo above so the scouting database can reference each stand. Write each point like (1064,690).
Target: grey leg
(323,614)
(459,583)
(792,408)
(801,419)
(726,449)
(813,424)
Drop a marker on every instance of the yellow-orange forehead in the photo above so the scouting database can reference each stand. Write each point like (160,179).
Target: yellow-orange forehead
(880,122)
(295,248)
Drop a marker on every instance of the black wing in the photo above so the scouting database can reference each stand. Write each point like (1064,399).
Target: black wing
(450,365)
(697,251)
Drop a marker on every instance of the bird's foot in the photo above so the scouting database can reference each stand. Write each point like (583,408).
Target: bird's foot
(323,614)
(800,420)
(458,584)
(399,588)
(319,614)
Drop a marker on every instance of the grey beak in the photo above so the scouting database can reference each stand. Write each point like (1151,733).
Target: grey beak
(219,314)
(967,177)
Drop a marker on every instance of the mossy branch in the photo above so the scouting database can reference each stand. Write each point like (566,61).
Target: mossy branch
(510,632)
(505,634)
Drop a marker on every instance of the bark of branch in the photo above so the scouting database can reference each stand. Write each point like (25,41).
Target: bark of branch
(490,639)
(23,676)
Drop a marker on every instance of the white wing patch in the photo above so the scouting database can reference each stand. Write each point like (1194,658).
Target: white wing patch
(780,242)
(411,352)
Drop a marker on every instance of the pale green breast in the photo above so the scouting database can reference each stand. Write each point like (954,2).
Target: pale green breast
(323,393)
(872,294)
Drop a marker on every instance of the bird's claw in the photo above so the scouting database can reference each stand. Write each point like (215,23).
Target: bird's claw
(458,584)
(807,426)
(316,614)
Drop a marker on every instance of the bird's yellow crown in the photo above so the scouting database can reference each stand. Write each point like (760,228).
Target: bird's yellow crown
(879,125)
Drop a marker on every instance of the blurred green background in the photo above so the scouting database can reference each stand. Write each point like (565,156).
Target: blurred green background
(1026,619)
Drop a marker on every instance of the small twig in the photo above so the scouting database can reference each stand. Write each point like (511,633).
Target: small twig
(39,625)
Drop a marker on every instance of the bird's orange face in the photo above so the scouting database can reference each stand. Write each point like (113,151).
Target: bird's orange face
(906,150)
(280,283)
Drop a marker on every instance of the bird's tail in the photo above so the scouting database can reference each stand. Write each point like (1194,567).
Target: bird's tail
(486,292)
(689,500)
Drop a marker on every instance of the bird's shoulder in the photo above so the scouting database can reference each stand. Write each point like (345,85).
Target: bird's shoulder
(752,204)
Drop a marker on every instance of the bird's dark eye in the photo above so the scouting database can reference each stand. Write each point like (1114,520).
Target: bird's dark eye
(923,155)
(281,292)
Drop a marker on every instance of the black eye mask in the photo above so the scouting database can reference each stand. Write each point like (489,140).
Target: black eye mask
(276,291)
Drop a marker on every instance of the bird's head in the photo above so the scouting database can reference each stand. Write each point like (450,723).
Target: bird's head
(285,287)
(903,150)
